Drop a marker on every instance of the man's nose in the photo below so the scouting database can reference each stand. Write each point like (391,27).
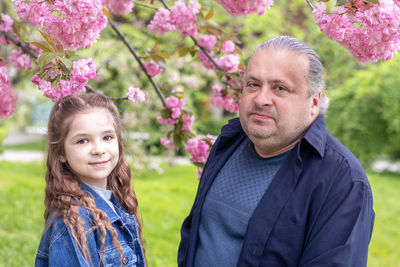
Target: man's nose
(264,96)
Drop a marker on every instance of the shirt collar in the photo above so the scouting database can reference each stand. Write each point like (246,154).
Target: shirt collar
(101,204)
(317,135)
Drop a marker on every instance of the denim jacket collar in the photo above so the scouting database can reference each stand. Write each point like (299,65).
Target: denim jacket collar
(102,204)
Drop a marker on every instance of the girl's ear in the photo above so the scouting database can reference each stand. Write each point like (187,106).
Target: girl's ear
(62,159)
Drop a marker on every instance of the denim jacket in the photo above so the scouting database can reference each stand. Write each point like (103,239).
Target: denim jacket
(58,248)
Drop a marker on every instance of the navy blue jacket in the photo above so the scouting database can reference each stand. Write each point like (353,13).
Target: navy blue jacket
(316,212)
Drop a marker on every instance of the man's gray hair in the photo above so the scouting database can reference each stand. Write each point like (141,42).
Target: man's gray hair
(316,80)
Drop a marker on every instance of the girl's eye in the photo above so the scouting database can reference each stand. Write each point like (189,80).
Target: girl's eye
(82,141)
(108,137)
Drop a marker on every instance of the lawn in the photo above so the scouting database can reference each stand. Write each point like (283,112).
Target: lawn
(164,200)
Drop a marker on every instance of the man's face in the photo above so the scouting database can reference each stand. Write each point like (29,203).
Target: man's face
(275,108)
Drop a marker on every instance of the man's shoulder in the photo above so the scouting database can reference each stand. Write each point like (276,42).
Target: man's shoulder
(337,153)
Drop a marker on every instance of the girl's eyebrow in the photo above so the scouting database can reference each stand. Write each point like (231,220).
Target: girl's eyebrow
(108,131)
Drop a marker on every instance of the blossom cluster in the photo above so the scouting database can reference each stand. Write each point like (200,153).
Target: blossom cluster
(135,95)
(55,85)
(223,100)
(175,106)
(181,17)
(8,98)
(119,7)
(369,31)
(229,62)
(245,7)
(152,68)
(72,23)
(174,116)
(20,60)
(199,149)
(6,23)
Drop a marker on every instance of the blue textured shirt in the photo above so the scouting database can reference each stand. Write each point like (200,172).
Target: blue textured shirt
(230,202)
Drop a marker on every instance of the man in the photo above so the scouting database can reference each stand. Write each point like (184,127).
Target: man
(278,189)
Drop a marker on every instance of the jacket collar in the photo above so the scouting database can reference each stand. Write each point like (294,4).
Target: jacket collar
(101,204)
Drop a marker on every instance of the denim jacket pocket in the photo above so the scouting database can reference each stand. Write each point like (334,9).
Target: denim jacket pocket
(110,257)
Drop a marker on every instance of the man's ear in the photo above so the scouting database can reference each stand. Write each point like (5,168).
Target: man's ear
(315,104)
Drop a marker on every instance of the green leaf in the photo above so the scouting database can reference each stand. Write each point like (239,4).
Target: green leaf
(341,2)
(183,51)
(372,1)
(177,141)
(67,62)
(48,39)
(210,14)
(45,59)
(162,54)
(42,45)
(165,113)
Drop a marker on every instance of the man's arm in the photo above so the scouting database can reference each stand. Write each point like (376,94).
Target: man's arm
(342,231)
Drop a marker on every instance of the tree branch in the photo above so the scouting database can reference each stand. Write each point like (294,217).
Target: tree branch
(309,3)
(195,42)
(24,46)
(132,50)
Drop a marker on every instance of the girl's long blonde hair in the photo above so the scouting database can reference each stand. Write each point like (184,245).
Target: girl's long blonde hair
(63,187)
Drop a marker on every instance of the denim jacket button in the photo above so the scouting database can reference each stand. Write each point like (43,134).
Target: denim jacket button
(125,260)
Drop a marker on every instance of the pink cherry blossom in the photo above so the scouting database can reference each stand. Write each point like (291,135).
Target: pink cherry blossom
(183,18)
(226,101)
(199,150)
(167,143)
(169,121)
(72,23)
(161,22)
(6,23)
(136,95)
(370,33)
(207,41)
(20,60)
(8,98)
(245,7)
(228,46)
(229,62)
(194,7)
(120,7)
(152,68)
(83,70)
(205,60)
(174,102)
(187,123)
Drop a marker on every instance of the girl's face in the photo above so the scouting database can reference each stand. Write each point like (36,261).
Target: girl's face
(91,146)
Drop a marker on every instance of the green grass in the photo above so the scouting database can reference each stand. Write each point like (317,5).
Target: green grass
(164,202)
(38,145)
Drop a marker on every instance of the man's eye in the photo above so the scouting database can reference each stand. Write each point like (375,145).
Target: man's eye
(251,84)
(108,137)
(280,88)
(82,141)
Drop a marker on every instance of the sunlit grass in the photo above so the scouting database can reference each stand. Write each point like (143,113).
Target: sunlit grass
(164,200)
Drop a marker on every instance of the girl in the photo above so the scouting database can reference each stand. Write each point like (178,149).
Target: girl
(90,208)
